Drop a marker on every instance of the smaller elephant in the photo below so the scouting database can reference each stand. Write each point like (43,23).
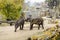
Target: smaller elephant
(20,23)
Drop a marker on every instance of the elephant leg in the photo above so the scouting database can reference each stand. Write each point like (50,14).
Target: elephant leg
(39,27)
(31,26)
(16,26)
(42,26)
(22,26)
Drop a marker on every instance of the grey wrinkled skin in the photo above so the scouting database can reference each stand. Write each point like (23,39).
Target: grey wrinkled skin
(38,21)
(19,23)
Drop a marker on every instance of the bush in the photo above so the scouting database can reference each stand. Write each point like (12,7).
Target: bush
(10,10)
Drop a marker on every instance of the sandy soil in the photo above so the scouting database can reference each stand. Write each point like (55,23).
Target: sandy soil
(7,32)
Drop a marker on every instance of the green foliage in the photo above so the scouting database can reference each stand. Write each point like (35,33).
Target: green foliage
(10,10)
(58,37)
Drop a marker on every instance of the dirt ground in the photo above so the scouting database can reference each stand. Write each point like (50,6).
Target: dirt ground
(7,32)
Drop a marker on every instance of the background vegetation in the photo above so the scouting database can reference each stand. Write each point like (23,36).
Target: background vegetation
(52,3)
(11,9)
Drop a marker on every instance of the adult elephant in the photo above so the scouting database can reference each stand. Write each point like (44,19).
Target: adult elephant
(38,21)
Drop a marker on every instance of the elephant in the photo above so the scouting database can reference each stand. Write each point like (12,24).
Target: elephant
(20,23)
(38,21)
